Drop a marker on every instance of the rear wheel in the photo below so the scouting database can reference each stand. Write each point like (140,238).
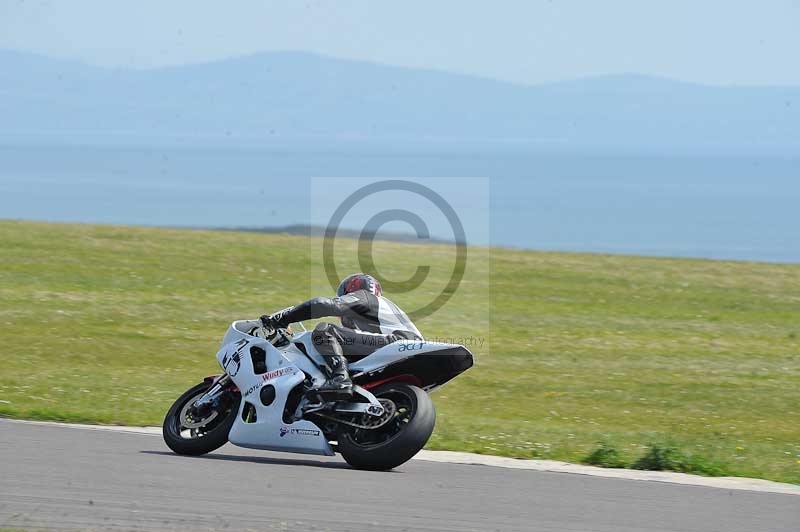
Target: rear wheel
(189,432)
(410,418)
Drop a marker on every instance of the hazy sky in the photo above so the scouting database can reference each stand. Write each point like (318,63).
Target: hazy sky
(710,41)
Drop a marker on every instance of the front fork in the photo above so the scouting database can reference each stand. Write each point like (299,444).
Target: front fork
(212,396)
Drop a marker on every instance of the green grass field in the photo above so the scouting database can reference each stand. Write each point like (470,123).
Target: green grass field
(109,324)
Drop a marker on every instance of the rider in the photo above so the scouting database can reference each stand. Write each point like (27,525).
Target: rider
(369,322)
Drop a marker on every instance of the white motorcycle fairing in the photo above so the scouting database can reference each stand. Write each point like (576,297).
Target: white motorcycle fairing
(268,431)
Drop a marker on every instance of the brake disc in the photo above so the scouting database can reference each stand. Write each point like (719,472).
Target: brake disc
(185,419)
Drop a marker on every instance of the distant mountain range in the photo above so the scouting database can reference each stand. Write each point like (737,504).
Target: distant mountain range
(300,96)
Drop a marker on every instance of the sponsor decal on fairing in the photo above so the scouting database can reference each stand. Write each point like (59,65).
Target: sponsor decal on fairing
(298,432)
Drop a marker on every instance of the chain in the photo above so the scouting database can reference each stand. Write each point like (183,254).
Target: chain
(389,411)
(356,425)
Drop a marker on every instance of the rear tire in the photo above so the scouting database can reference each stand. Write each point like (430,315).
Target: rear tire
(203,439)
(399,440)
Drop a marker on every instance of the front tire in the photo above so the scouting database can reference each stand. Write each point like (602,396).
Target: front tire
(204,435)
(397,441)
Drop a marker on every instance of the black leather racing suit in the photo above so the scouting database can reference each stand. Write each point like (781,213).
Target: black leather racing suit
(369,322)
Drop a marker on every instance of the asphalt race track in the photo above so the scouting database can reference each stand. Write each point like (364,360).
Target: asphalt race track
(71,479)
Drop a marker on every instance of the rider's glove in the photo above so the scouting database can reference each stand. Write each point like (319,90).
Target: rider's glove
(275,321)
(268,322)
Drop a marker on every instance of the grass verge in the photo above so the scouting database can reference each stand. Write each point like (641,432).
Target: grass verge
(657,457)
(109,324)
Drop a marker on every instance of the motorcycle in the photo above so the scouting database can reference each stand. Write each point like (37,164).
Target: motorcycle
(266,399)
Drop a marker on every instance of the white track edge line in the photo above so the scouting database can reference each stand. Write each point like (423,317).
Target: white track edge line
(550,466)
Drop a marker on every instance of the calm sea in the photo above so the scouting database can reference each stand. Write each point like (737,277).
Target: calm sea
(728,207)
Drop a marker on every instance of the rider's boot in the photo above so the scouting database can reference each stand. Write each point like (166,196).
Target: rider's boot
(338,385)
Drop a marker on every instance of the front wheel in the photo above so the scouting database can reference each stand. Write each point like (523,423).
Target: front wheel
(411,420)
(187,432)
